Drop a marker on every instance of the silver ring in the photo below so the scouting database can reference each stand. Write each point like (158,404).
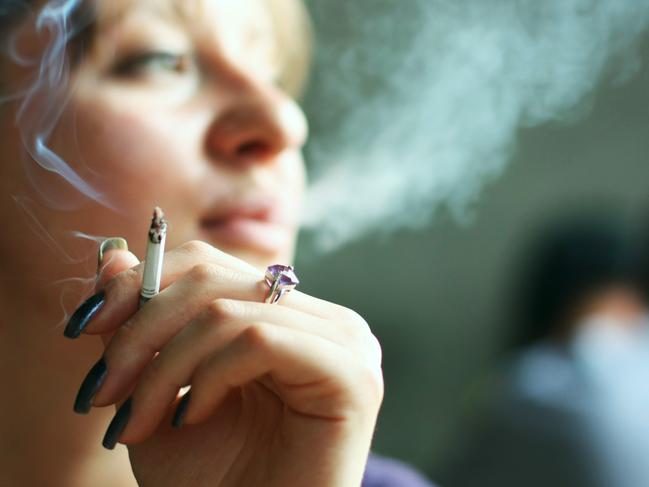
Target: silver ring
(280,279)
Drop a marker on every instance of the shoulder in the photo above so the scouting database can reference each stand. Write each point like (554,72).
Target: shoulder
(387,472)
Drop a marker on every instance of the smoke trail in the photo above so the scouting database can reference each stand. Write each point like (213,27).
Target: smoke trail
(44,99)
(70,289)
(25,205)
(426,95)
(426,98)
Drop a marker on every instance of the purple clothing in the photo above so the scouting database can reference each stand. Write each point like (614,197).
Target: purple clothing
(386,472)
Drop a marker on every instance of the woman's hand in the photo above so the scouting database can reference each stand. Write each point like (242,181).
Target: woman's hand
(282,394)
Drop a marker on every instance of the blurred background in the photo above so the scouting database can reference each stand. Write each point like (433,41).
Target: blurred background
(438,294)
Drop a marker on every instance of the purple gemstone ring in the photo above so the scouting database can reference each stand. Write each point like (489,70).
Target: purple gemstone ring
(281,279)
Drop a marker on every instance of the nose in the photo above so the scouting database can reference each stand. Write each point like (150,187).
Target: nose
(257,125)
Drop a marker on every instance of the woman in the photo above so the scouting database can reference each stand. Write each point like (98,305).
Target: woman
(187,105)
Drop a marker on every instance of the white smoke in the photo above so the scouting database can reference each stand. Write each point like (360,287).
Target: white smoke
(428,96)
(43,100)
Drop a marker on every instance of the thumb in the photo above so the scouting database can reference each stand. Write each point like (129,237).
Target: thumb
(114,257)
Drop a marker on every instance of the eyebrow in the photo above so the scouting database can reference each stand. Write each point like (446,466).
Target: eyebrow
(168,10)
(85,36)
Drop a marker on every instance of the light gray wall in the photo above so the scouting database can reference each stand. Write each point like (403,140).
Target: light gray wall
(437,297)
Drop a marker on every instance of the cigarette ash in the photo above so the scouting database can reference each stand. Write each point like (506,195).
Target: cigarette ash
(158,226)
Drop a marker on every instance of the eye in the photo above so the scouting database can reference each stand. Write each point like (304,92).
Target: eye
(151,62)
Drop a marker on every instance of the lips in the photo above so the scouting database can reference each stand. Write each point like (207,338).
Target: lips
(260,224)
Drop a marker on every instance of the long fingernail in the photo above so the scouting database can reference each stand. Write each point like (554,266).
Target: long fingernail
(181,409)
(90,386)
(84,314)
(117,425)
(110,244)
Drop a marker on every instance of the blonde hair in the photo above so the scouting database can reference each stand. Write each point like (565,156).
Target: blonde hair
(292,27)
(295,42)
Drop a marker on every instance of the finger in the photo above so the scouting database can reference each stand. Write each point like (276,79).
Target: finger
(122,292)
(166,329)
(205,332)
(315,377)
(138,339)
(112,263)
(195,252)
(158,385)
(147,331)
(114,258)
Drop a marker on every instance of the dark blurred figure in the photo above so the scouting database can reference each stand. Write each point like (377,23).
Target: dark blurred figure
(572,407)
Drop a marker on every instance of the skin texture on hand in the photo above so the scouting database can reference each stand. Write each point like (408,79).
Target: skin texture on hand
(283,394)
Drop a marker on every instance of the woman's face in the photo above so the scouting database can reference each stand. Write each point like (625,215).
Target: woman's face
(177,105)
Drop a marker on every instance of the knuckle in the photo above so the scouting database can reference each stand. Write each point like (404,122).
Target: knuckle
(371,384)
(220,309)
(257,336)
(202,273)
(130,276)
(357,320)
(156,372)
(356,326)
(230,307)
(114,353)
(124,280)
(128,336)
(125,335)
(375,348)
(351,316)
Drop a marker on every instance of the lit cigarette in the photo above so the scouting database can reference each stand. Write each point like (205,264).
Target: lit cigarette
(155,250)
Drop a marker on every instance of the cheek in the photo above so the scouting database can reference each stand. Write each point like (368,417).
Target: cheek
(136,157)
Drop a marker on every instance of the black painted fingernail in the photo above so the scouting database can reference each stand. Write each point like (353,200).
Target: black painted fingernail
(90,386)
(181,409)
(117,425)
(84,314)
